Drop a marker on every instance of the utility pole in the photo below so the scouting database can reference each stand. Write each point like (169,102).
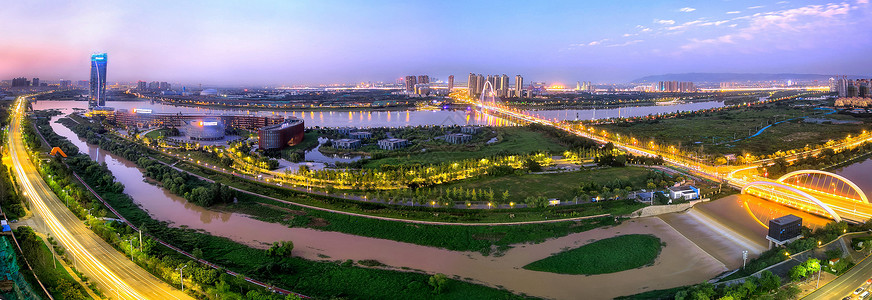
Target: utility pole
(817,285)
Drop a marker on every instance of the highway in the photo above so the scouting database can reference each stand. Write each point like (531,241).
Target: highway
(846,284)
(117,277)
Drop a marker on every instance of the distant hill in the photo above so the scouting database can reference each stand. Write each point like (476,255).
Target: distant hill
(722,77)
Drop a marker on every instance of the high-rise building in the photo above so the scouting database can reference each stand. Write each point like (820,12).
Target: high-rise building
(65,84)
(519,86)
(504,85)
(141,85)
(20,82)
(98,80)
(471,85)
(450,83)
(411,81)
(35,82)
(423,79)
(480,84)
(82,83)
(842,86)
(164,86)
(490,79)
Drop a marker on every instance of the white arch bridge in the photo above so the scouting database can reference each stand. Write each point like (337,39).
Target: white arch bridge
(819,192)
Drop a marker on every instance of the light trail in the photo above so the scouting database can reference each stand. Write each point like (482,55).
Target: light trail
(119,277)
(845,207)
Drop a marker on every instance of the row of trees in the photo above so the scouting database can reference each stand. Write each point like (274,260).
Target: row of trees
(42,263)
(826,158)
(163,262)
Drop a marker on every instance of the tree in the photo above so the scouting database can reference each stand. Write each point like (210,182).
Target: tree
(798,272)
(197,253)
(532,165)
(769,281)
(281,249)
(439,282)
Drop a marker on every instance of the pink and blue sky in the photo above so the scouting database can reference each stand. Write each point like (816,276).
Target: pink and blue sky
(310,42)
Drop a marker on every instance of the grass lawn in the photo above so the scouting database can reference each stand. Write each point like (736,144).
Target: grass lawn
(155,134)
(559,185)
(609,255)
(516,140)
(714,131)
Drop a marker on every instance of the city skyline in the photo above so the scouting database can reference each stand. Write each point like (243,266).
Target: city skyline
(303,43)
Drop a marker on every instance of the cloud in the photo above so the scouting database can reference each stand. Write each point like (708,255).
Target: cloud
(862,1)
(789,29)
(664,22)
(733,12)
(643,28)
(625,43)
(755,7)
(687,9)
(592,43)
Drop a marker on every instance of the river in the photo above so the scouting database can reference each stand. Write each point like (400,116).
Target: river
(398,118)
(505,271)
(680,263)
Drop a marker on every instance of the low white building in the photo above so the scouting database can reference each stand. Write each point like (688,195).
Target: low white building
(686,192)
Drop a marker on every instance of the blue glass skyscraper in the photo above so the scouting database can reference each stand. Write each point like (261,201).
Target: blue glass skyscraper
(98,80)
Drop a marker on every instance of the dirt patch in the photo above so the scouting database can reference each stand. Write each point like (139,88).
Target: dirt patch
(796,136)
(284,209)
(318,222)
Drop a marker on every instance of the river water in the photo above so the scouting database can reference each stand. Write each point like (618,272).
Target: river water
(398,118)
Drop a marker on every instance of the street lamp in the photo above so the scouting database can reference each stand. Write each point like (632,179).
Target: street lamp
(181,276)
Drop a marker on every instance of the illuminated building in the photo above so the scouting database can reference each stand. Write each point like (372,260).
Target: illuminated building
(141,85)
(519,85)
(207,129)
(450,82)
(288,133)
(423,79)
(411,81)
(35,82)
(98,80)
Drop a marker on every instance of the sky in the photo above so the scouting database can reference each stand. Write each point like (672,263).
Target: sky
(324,41)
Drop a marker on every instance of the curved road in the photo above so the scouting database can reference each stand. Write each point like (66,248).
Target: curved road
(118,277)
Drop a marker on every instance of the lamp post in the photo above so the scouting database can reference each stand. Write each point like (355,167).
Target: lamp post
(182,276)
(744,258)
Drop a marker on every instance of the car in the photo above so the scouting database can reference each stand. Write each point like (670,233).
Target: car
(864,295)
(858,291)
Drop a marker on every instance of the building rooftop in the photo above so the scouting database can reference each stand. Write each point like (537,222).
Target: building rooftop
(786,220)
(682,188)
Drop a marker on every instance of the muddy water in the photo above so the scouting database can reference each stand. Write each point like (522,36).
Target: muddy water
(858,173)
(680,262)
(165,206)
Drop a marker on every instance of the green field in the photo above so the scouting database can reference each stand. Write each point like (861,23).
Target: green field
(157,133)
(515,140)
(609,255)
(714,132)
(558,185)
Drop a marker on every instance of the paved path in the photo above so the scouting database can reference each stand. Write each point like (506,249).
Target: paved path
(385,218)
